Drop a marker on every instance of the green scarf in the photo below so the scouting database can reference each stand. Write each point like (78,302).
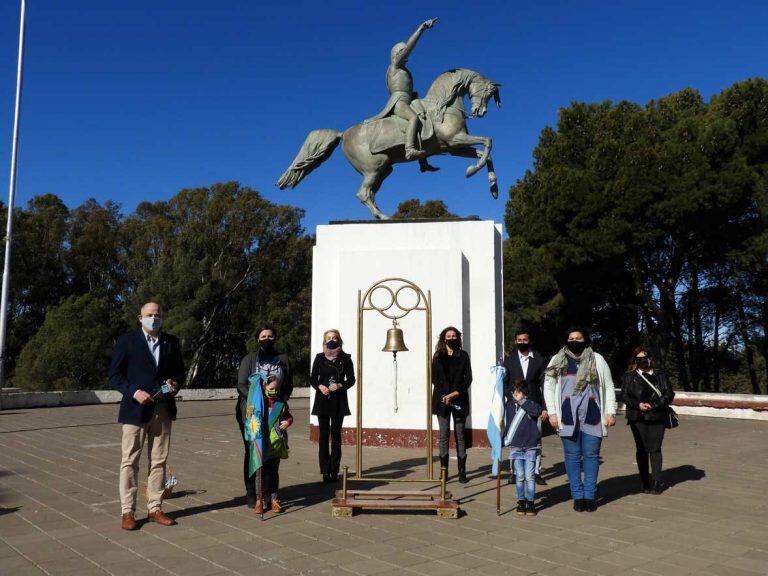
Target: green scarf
(587,372)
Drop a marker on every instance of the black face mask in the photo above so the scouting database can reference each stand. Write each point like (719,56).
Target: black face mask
(524,347)
(452,344)
(643,363)
(331,344)
(576,347)
(267,346)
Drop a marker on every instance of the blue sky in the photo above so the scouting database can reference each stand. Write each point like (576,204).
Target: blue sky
(132,101)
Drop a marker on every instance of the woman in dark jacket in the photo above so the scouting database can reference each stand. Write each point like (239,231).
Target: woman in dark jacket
(332,375)
(267,359)
(451,378)
(647,395)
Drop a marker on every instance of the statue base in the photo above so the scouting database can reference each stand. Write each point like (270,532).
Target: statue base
(459,263)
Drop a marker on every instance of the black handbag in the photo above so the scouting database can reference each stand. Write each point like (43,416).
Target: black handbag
(672,421)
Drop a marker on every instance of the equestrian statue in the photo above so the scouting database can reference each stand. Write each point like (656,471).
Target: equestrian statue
(407,128)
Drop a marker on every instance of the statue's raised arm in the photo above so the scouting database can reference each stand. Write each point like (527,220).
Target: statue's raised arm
(401,57)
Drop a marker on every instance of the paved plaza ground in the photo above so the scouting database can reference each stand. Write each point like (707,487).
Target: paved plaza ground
(60,514)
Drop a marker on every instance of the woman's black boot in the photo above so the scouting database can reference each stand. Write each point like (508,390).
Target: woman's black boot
(444,464)
(463,469)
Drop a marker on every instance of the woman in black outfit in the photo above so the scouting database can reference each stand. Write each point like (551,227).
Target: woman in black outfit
(647,394)
(451,378)
(332,375)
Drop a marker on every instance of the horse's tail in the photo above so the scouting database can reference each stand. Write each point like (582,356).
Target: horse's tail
(316,149)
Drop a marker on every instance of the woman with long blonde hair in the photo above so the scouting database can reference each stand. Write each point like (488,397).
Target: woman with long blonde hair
(332,375)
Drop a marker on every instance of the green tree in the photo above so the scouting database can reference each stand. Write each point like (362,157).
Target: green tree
(94,255)
(38,269)
(221,260)
(626,217)
(413,208)
(71,349)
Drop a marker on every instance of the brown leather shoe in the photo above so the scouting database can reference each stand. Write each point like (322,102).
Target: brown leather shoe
(259,507)
(128,521)
(161,518)
(276,507)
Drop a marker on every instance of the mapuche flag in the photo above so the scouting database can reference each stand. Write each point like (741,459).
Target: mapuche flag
(253,428)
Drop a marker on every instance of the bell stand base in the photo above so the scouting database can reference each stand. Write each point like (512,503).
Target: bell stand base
(347,501)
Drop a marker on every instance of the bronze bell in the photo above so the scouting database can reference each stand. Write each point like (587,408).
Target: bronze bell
(394,342)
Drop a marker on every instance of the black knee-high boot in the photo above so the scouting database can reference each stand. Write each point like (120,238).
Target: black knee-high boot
(463,469)
(444,464)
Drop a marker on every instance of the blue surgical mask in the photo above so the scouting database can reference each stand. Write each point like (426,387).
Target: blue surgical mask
(152,323)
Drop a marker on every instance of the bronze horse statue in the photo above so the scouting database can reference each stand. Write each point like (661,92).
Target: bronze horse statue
(373,147)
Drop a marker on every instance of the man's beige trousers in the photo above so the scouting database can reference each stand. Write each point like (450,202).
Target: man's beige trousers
(157,433)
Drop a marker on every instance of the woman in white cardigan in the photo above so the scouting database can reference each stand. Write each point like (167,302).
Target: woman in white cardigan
(580,399)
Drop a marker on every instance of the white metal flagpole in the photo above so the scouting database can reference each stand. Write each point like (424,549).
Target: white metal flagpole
(11,196)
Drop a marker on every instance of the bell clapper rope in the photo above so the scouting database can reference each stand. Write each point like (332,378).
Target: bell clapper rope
(394,365)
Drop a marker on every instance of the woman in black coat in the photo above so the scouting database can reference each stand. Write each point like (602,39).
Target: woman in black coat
(647,395)
(451,378)
(332,375)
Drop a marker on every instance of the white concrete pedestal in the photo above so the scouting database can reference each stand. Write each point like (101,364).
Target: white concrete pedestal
(460,263)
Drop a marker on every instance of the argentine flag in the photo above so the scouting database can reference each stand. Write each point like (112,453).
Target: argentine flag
(496,416)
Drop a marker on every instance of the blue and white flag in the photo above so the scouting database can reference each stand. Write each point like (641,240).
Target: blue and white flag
(496,416)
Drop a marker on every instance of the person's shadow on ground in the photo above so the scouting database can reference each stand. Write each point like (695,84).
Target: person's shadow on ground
(617,487)
(399,469)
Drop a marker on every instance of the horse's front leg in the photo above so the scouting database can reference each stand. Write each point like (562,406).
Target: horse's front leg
(462,139)
(473,153)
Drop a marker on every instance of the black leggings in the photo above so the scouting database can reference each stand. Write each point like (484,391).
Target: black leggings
(270,477)
(330,427)
(648,440)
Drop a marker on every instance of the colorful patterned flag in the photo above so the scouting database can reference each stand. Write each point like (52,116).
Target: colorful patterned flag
(496,416)
(253,429)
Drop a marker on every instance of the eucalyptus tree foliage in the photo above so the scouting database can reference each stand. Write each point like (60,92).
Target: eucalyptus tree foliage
(632,214)
(221,260)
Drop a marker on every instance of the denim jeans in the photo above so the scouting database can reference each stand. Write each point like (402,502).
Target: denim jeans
(582,461)
(524,470)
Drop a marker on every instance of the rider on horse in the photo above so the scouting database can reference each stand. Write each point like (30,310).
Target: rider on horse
(400,86)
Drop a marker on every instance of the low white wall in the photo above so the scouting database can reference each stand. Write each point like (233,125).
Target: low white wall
(16,399)
(740,406)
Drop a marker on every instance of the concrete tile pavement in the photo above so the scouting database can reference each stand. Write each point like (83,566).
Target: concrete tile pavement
(59,507)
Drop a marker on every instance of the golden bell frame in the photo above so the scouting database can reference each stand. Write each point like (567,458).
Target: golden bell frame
(394,311)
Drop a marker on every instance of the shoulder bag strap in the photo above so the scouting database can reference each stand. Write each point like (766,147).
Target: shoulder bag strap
(658,392)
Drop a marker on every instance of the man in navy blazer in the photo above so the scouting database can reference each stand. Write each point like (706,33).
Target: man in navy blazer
(526,364)
(146,368)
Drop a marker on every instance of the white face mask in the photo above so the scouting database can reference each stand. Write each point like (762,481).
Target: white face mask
(152,323)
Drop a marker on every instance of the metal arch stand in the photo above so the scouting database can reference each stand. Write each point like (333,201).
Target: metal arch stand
(346,500)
